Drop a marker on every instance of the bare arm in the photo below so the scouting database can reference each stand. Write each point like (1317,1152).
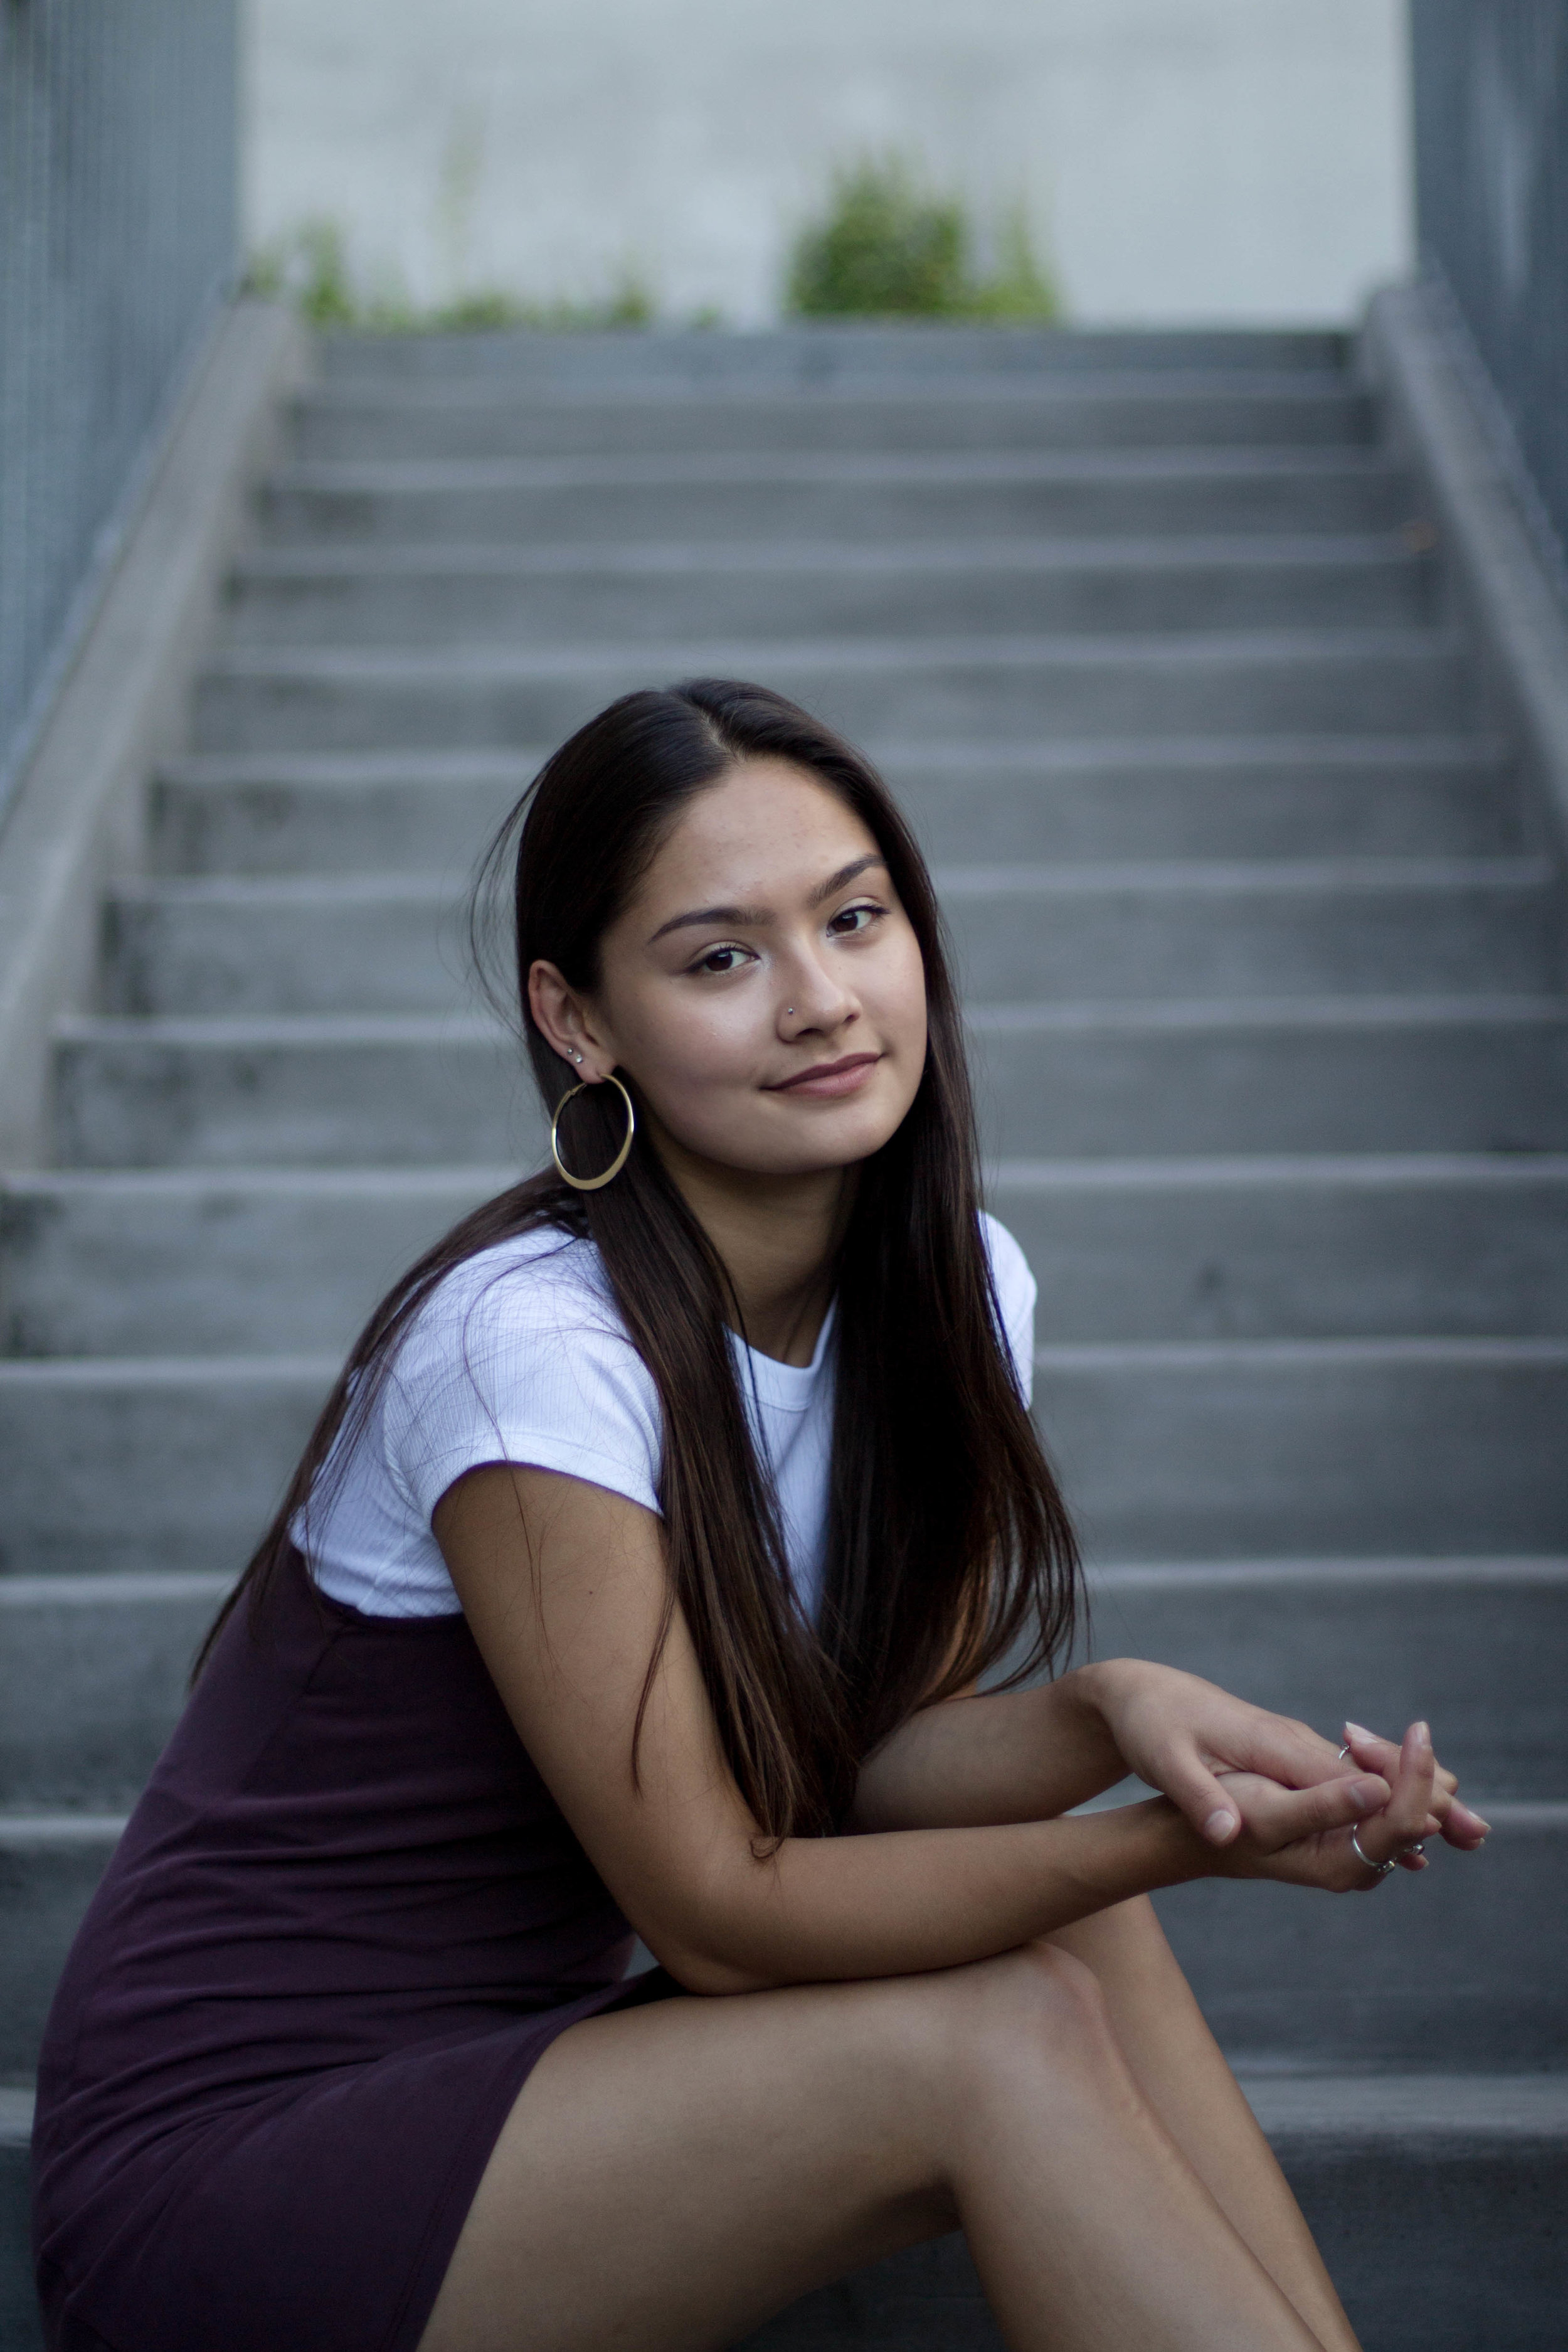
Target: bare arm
(1026,1754)
(564,1587)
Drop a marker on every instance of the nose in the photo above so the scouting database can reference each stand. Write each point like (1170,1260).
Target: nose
(815,1000)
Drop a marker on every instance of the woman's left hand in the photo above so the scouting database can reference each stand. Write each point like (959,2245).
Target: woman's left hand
(1179,1734)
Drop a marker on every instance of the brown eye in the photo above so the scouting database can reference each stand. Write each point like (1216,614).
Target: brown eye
(850,919)
(722,959)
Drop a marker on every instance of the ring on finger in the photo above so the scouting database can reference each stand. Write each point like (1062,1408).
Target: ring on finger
(1379,1869)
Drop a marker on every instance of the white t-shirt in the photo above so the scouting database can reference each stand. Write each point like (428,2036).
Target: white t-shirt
(520,1355)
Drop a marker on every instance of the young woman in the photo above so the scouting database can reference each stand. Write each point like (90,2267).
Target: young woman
(640,1575)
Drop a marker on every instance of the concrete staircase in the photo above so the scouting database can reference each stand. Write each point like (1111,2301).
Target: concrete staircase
(1263,946)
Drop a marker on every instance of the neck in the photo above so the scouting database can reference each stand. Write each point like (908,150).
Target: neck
(779,1237)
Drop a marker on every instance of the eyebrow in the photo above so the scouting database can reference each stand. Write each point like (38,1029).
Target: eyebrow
(752,918)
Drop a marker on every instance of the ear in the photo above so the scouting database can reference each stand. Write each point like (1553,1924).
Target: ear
(563,1018)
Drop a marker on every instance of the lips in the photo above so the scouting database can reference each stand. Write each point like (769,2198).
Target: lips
(829,1078)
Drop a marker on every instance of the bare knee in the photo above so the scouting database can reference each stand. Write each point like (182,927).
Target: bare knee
(1033,2014)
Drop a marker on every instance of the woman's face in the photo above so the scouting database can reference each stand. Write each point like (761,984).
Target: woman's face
(763,987)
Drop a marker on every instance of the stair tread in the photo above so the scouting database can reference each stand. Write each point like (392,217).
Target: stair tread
(1171,386)
(1186,649)
(224,771)
(1172,878)
(835,467)
(1063,552)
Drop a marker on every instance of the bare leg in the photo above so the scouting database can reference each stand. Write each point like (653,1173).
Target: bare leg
(671,2176)
(1181,2072)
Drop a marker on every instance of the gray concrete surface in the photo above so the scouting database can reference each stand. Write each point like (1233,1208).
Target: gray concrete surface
(1256,891)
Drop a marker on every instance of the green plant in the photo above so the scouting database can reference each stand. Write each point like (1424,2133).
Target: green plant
(311,268)
(889,246)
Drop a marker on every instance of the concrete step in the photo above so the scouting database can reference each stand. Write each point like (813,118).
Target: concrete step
(1417,2161)
(1479,1647)
(50,1866)
(182,1261)
(159,1465)
(1175,1449)
(21,2330)
(388,943)
(1434,1973)
(1069,1081)
(1324,1074)
(1432,2165)
(93,1666)
(1229,1449)
(484,418)
(1308,1247)
(93,1672)
(186,1260)
(1400,682)
(821,356)
(1333,1977)
(1259,796)
(825,498)
(419,595)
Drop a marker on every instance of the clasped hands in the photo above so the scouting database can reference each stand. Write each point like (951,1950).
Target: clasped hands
(1271,1796)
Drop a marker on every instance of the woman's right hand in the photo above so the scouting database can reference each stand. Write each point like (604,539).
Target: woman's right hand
(1270,1844)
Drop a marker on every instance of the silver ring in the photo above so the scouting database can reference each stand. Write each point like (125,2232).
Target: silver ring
(1344,1751)
(1379,1869)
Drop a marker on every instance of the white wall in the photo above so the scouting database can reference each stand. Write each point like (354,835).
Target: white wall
(1182,159)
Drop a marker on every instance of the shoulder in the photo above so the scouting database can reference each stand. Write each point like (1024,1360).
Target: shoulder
(532,1316)
(520,1354)
(1015,1284)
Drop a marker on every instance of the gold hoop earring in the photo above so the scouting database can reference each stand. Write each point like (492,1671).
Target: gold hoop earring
(593,1183)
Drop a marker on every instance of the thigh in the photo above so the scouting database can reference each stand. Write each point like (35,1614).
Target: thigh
(671,2175)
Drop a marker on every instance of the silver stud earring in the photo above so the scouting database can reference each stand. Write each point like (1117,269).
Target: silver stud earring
(577,1057)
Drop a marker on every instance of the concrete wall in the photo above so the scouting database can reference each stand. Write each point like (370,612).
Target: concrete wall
(1219,160)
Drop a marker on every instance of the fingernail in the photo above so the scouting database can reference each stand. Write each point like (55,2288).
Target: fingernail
(1357,1731)
(1480,1825)
(1370,1795)
(1423,1735)
(1218,1826)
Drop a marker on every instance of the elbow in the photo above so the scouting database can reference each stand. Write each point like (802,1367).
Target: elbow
(706,1973)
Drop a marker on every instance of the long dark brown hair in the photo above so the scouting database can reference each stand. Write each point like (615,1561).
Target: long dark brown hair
(949,1554)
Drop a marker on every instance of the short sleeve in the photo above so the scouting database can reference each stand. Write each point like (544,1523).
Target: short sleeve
(522,1361)
(1016,1292)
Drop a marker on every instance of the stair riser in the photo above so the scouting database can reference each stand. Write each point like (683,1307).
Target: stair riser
(1225,1459)
(1090,1094)
(1446,1089)
(89,1692)
(174,1475)
(1282,809)
(655,605)
(1089,504)
(173,956)
(1277,1970)
(1105,417)
(1233,1458)
(1405,690)
(229,1268)
(1483,1657)
(21,2329)
(1272,1260)
(818,357)
(1434,1973)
